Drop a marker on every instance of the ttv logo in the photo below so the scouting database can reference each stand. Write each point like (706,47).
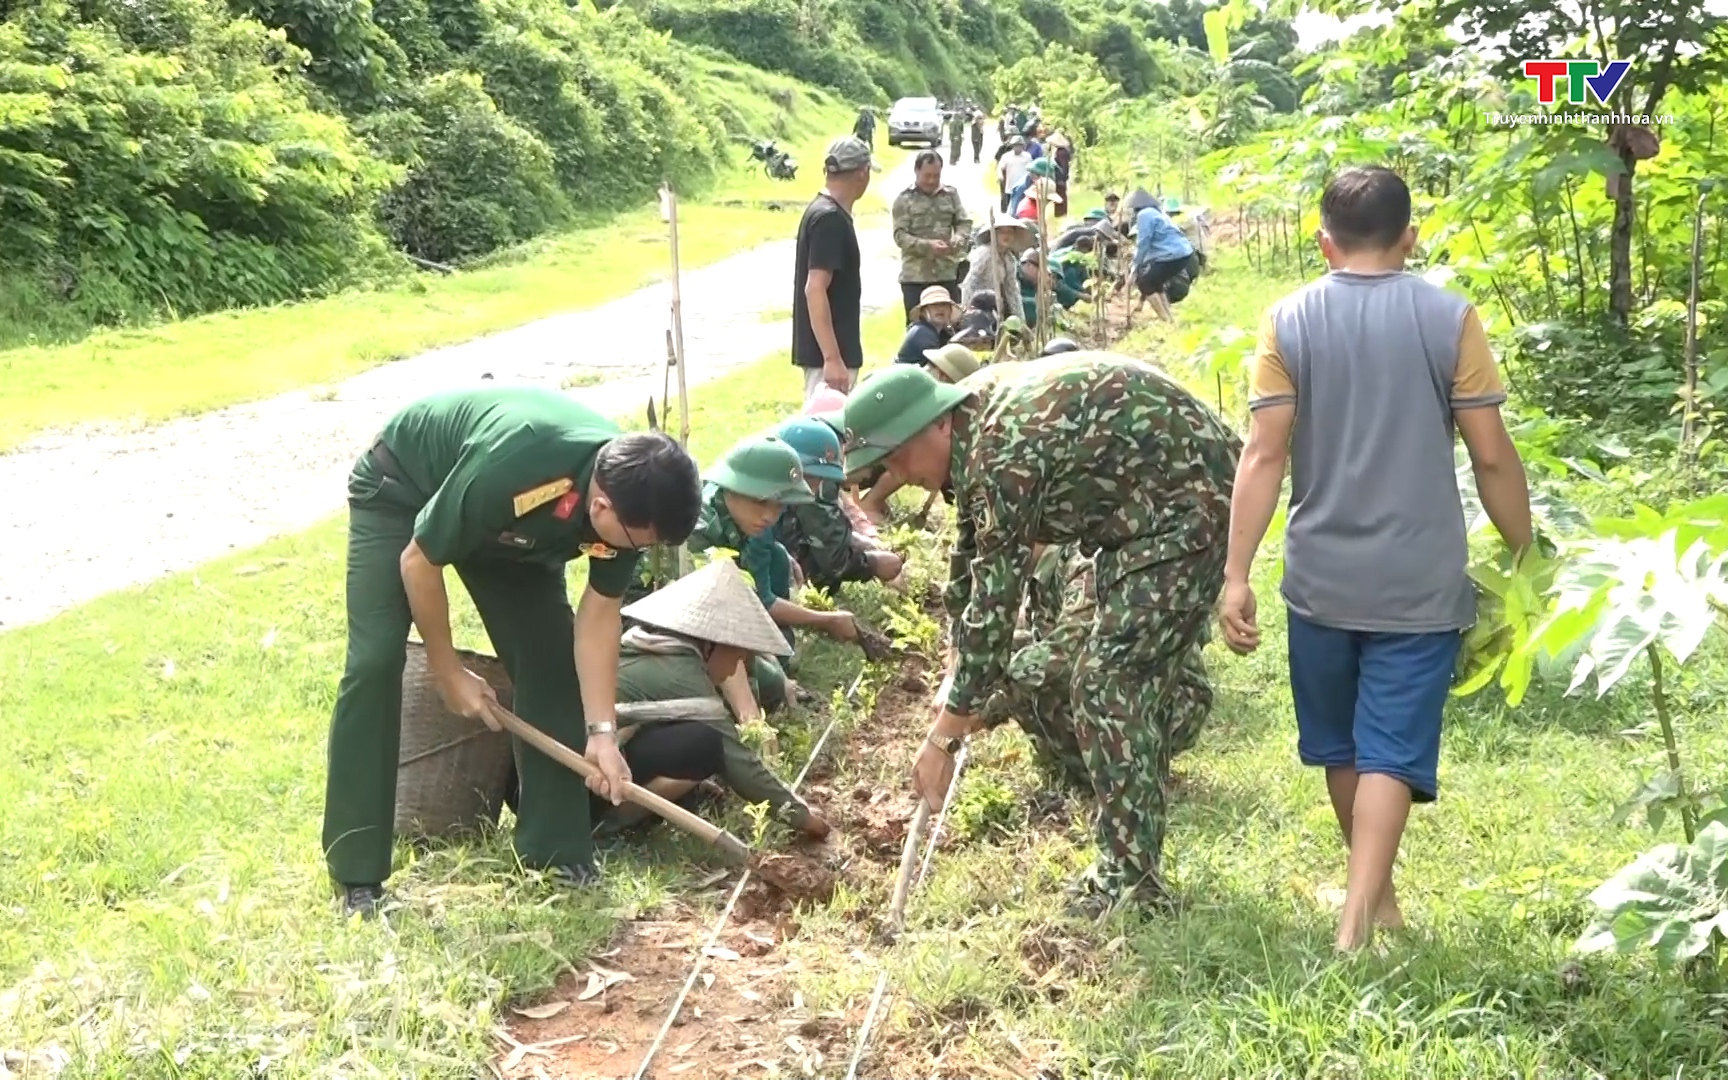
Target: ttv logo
(1580,77)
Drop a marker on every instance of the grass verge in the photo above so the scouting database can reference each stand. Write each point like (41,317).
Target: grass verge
(183,368)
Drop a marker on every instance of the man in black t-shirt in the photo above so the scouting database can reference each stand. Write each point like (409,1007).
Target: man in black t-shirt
(827,282)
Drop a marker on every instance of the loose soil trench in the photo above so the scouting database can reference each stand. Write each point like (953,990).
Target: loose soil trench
(746,1017)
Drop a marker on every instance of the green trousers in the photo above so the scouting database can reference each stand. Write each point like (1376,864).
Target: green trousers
(525,607)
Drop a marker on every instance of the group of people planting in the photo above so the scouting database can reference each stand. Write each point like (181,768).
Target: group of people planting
(1105,518)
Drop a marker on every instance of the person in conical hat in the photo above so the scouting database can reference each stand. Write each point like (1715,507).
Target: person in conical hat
(676,725)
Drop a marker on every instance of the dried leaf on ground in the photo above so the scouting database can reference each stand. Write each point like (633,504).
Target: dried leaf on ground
(543,1012)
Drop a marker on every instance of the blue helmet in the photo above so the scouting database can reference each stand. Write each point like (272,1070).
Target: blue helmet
(818,446)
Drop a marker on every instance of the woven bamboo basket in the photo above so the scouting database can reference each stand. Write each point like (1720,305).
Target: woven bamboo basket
(451,773)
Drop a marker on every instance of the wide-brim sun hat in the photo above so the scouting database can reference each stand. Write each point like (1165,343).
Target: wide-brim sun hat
(934,296)
(715,604)
(953,360)
(890,407)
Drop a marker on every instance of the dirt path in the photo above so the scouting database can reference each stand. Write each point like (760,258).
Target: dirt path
(90,512)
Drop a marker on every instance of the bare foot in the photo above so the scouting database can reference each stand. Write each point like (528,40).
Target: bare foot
(1389,916)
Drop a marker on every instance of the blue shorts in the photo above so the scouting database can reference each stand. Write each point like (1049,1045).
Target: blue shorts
(1373,701)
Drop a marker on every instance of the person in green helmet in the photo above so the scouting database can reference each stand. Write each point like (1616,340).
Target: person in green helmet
(817,534)
(743,497)
(1084,448)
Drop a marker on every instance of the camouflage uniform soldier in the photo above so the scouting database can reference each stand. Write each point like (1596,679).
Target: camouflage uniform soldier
(1099,451)
(932,231)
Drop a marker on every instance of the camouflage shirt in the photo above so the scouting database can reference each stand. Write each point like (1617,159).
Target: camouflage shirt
(819,537)
(1076,449)
(920,219)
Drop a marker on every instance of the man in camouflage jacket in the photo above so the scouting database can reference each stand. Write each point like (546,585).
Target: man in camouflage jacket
(1108,454)
(932,231)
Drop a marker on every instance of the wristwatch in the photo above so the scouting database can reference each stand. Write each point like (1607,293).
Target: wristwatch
(605,727)
(949,746)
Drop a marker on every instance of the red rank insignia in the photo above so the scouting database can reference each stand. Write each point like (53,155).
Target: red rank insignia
(567,505)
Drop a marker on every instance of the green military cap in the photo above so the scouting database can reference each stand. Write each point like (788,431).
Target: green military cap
(890,407)
(762,467)
(1043,167)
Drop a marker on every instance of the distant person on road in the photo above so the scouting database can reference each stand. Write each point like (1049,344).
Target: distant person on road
(827,274)
(931,229)
(1012,169)
(1062,156)
(956,133)
(977,136)
(864,128)
(1360,383)
(508,485)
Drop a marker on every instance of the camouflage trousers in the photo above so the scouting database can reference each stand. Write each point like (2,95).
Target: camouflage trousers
(1108,681)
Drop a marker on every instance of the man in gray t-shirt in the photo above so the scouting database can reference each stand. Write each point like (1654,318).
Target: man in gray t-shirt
(1361,382)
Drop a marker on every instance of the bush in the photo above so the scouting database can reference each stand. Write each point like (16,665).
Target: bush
(132,183)
(476,180)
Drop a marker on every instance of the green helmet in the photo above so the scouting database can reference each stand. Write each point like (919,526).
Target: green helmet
(892,406)
(1044,167)
(762,467)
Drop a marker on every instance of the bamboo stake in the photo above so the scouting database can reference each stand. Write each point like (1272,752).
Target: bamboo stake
(1041,332)
(675,339)
(996,283)
(1690,417)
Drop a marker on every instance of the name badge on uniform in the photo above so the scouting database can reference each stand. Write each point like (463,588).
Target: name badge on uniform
(540,496)
(598,551)
(516,540)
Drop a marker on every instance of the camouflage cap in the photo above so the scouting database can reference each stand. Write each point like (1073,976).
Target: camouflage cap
(762,467)
(817,444)
(892,406)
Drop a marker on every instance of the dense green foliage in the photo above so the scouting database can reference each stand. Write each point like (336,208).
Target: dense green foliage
(885,49)
(182,156)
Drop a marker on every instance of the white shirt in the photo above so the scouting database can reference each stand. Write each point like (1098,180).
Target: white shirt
(1015,165)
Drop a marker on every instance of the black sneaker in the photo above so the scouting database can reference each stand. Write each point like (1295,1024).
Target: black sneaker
(362,900)
(575,875)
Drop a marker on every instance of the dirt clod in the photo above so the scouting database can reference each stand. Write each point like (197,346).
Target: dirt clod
(797,875)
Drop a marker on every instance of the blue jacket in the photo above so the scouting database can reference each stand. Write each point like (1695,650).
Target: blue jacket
(1159,239)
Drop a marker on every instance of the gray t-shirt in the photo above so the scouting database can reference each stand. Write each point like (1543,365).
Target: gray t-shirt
(1376,364)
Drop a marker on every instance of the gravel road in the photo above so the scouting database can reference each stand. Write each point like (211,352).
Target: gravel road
(92,512)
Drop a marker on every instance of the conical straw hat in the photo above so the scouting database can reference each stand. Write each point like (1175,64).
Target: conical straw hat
(715,604)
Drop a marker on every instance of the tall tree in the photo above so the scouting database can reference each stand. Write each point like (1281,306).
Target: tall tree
(1677,45)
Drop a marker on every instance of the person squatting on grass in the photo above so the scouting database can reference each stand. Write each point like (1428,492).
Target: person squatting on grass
(688,640)
(507,485)
(742,499)
(1095,450)
(1359,382)
(824,549)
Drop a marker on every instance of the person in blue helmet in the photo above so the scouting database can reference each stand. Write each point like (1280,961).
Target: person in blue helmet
(818,535)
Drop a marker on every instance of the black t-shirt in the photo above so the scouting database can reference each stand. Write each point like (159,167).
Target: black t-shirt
(827,240)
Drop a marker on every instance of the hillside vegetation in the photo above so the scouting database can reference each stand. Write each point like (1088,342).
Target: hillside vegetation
(186,156)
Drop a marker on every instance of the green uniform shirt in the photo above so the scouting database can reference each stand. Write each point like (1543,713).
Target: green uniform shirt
(504,472)
(768,564)
(1088,451)
(920,220)
(652,676)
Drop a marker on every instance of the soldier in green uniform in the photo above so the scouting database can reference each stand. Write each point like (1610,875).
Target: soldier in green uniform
(689,639)
(817,534)
(742,499)
(932,231)
(956,132)
(507,485)
(1109,454)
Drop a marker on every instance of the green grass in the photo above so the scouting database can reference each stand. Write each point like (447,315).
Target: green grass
(183,368)
(169,915)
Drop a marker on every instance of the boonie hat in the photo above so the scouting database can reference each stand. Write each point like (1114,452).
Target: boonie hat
(954,361)
(934,296)
(818,446)
(714,603)
(848,154)
(892,406)
(763,467)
